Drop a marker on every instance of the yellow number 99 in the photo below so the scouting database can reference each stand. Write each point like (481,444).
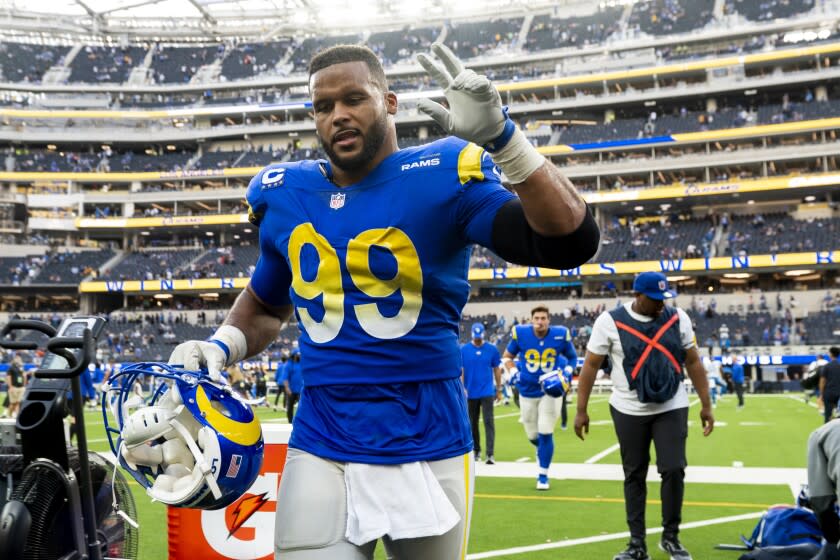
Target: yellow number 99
(408,280)
(327,282)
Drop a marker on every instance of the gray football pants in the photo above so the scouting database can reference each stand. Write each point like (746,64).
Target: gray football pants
(824,477)
(312,513)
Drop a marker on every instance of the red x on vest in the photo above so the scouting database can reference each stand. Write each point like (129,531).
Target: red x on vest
(651,344)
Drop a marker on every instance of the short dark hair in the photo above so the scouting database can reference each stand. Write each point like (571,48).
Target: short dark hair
(339,54)
(834,351)
(539,308)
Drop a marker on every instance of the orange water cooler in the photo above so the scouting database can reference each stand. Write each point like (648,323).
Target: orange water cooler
(245,529)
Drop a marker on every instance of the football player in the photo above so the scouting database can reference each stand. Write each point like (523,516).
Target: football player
(370,249)
(542,349)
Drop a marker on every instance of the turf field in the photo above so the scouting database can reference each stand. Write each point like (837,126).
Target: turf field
(582,516)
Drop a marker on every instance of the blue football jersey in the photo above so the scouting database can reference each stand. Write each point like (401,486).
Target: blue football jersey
(377,275)
(478,364)
(537,356)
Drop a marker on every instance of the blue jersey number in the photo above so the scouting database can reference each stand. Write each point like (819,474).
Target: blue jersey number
(327,282)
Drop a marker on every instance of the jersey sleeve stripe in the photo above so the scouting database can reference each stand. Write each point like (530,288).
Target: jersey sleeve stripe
(469,163)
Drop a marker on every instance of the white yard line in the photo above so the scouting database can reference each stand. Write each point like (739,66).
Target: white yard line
(598,456)
(799,399)
(609,537)
(693,474)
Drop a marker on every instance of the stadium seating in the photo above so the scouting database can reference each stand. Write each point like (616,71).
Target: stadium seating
(311,45)
(178,64)
(548,32)
(768,9)
(225,262)
(151,264)
(17,270)
(247,60)
(663,17)
(216,160)
(470,39)
(105,64)
(780,233)
(71,268)
(28,63)
(399,46)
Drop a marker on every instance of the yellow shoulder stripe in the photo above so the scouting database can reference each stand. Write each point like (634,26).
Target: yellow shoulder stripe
(469,163)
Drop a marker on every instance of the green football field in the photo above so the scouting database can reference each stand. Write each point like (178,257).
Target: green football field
(582,516)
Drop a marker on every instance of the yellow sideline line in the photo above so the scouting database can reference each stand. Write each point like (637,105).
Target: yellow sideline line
(581,499)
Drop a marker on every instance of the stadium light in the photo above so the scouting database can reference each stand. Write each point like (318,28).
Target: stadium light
(797,273)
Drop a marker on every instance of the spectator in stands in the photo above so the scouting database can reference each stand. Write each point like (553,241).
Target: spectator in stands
(830,383)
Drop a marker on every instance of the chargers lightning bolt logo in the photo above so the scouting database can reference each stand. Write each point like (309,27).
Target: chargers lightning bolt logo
(245,509)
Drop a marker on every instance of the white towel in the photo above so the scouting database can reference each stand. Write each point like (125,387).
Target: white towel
(402,501)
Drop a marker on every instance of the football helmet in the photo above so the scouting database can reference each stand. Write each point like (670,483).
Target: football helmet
(190,443)
(554,384)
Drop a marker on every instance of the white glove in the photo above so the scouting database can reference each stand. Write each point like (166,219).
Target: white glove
(196,353)
(476,114)
(475,107)
(228,345)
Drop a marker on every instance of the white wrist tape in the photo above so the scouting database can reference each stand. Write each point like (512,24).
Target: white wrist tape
(518,159)
(235,341)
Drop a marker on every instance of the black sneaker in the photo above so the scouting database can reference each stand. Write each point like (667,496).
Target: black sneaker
(490,460)
(636,550)
(672,546)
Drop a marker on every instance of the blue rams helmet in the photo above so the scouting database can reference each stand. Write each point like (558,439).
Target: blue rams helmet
(554,384)
(191,443)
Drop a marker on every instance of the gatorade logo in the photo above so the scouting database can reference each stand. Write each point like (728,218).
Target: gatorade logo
(242,531)
(245,529)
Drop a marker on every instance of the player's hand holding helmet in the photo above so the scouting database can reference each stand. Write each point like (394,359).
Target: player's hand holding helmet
(228,345)
(568,373)
(476,114)
(192,443)
(554,384)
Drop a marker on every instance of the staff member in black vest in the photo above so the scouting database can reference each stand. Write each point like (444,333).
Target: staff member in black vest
(650,346)
(830,383)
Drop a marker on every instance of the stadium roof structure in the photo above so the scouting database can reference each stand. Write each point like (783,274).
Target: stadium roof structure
(261,19)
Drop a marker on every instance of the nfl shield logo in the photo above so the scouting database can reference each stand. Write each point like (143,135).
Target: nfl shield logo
(337,200)
(662,285)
